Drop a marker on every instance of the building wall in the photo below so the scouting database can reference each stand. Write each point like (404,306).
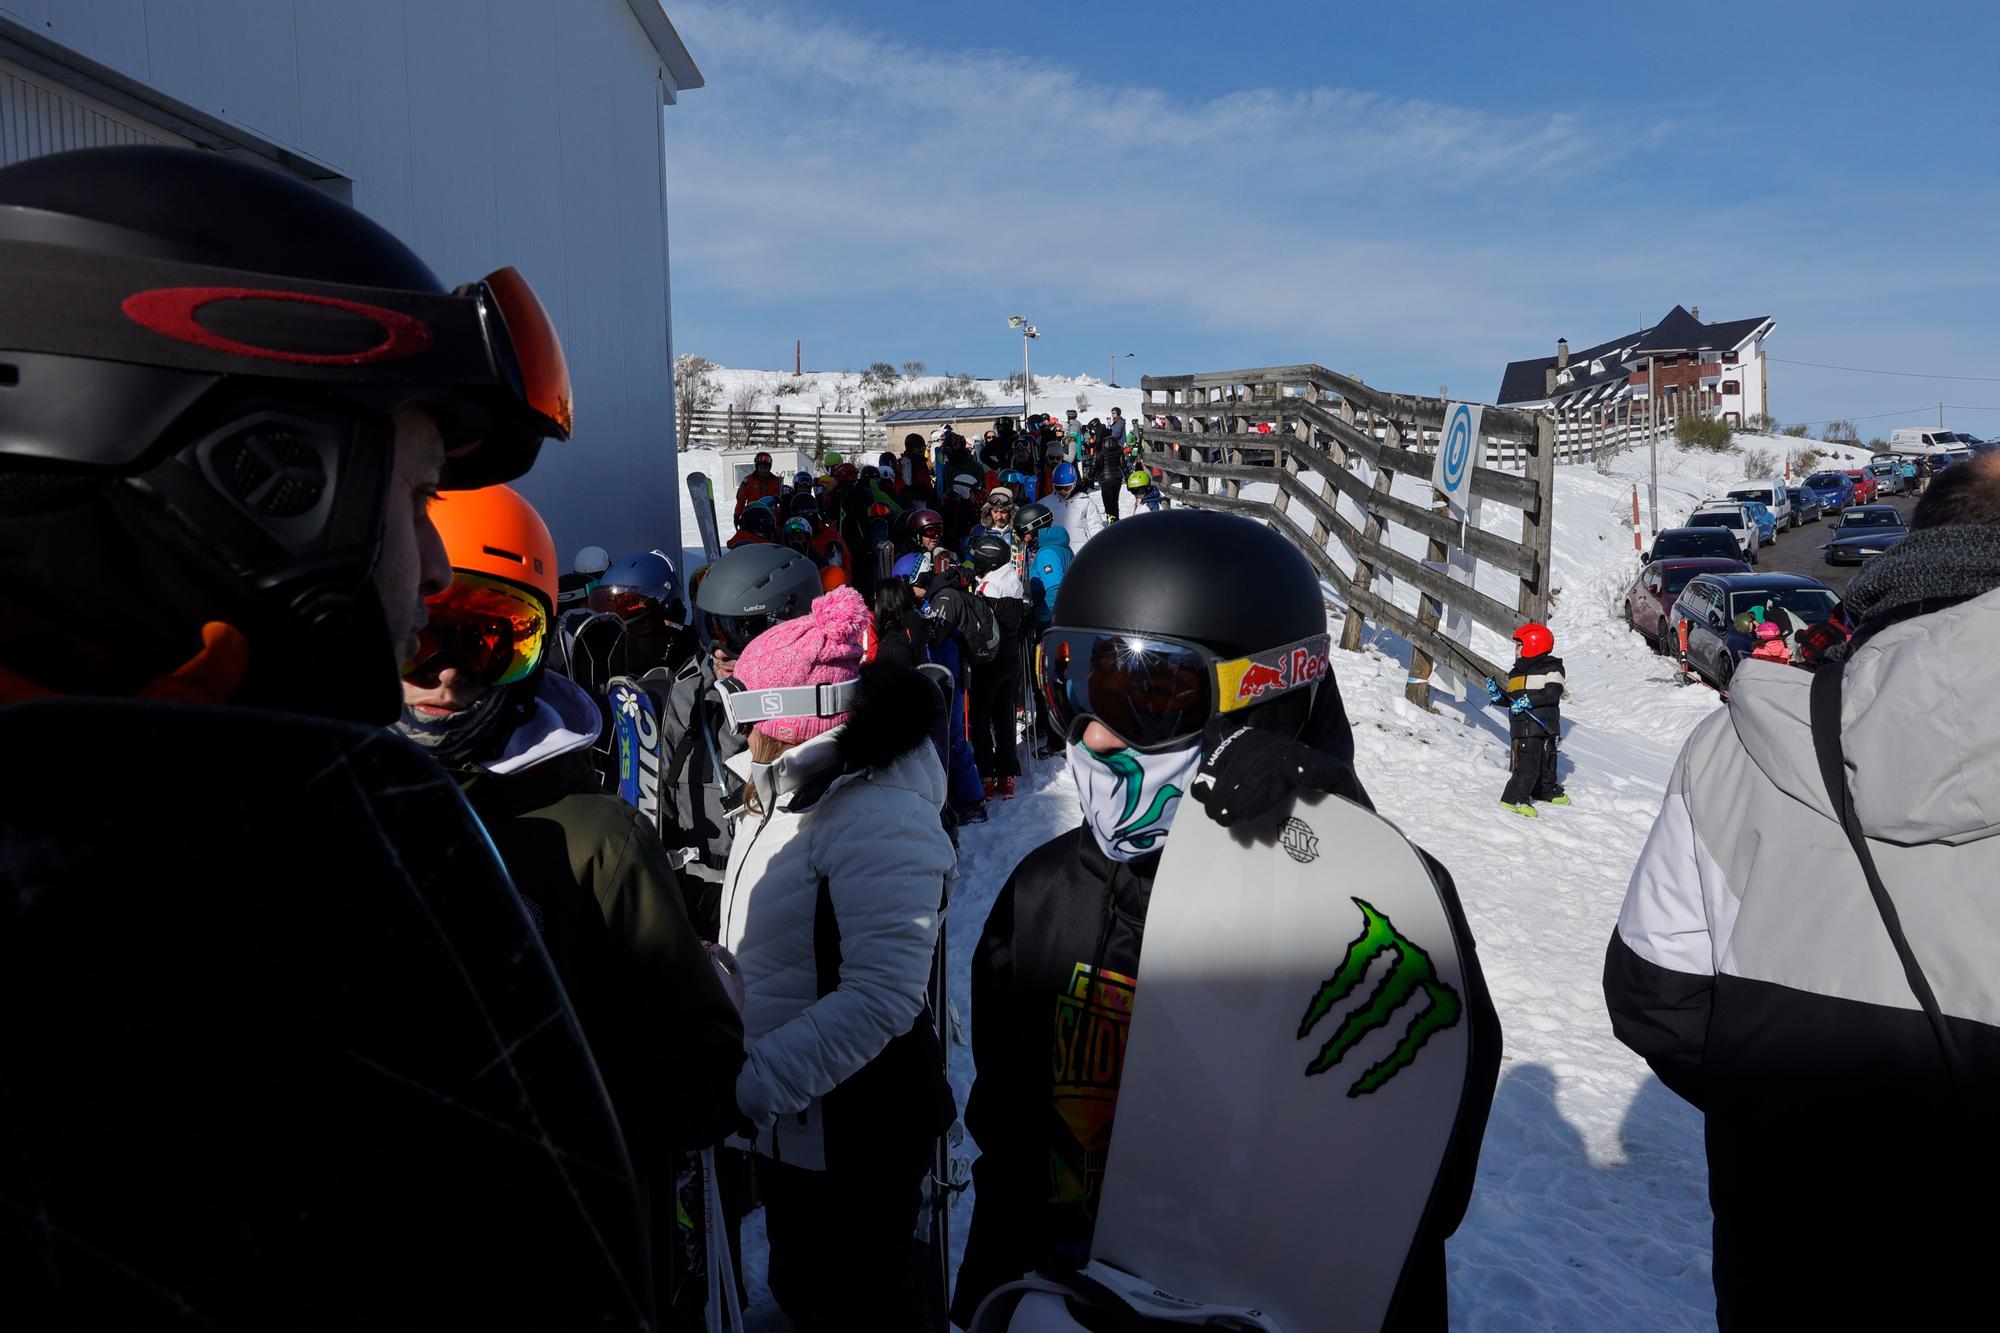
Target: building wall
(484,133)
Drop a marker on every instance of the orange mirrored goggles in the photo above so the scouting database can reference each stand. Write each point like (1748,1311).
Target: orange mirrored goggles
(491,631)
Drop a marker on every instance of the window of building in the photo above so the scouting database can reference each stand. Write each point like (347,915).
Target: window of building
(1732,387)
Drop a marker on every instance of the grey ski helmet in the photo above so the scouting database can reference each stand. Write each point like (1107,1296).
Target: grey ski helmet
(748,590)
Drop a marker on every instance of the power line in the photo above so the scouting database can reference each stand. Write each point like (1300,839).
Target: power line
(1903,374)
(1907,412)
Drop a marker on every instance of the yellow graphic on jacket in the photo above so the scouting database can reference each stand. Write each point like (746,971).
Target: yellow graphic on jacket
(1091,1025)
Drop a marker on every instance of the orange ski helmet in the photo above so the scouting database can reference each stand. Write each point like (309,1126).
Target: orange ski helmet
(1535,640)
(493,531)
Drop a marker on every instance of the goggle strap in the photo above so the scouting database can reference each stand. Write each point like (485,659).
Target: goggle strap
(746,707)
(1243,681)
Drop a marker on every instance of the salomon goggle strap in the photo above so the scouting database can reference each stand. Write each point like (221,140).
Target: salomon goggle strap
(1247,680)
(747,707)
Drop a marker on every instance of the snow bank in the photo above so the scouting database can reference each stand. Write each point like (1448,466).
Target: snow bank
(842,391)
(1590,1210)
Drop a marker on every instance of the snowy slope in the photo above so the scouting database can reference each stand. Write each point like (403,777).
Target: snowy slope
(1590,1210)
(842,391)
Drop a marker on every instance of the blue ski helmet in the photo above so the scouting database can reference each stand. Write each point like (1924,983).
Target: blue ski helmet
(909,566)
(648,575)
(1064,475)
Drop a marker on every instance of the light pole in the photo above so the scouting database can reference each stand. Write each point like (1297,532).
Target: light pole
(1111,366)
(1028,331)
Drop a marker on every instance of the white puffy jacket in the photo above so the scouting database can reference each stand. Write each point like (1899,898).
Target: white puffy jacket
(855,810)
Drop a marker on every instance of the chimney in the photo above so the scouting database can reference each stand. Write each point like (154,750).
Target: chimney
(1562,363)
(1562,354)
(1696,312)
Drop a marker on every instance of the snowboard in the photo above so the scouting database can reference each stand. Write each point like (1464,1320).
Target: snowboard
(702,492)
(1299,1050)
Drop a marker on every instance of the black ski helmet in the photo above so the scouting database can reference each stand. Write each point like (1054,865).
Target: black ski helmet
(987,552)
(1032,518)
(1225,582)
(201,357)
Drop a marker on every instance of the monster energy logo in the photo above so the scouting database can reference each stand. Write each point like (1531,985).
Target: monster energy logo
(1136,827)
(1410,973)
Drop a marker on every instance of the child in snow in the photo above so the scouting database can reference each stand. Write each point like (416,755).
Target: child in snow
(843,1091)
(1533,701)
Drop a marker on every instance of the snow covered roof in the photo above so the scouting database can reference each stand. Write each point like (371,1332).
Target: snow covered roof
(1677,331)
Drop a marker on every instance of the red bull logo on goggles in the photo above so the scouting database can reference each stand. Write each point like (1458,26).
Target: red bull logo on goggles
(1156,693)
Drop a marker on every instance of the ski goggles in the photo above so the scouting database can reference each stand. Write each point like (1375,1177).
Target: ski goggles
(746,707)
(491,631)
(627,603)
(732,634)
(484,360)
(1155,693)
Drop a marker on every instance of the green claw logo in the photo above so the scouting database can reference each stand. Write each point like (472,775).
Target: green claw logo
(1412,972)
(1137,828)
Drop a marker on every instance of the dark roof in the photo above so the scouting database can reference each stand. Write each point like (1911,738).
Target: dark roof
(903,414)
(1678,331)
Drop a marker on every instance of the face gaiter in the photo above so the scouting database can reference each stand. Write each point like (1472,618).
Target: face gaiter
(461,739)
(1129,798)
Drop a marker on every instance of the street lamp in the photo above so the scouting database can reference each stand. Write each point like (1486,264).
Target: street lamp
(1111,366)
(1028,331)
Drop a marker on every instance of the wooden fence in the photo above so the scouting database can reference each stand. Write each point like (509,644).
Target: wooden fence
(1274,425)
(727,427)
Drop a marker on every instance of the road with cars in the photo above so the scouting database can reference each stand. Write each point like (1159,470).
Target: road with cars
(1797,551)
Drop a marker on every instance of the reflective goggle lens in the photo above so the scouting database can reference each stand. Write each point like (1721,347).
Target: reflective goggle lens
(492,632)
(930,530)
(1151,693)
(537,351)
(732,634)
(625,603)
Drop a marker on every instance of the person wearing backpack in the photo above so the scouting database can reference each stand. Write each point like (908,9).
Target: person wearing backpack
(996,682)
(964,634)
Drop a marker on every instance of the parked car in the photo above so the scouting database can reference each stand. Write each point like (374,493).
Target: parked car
(1864,485)
(1835,489)
(1650,599)
(1718,610)
(1806,504)
(1672,542)
(1863,531)
(1946,457)
(1736,518)
(1772,495)
(1888,474)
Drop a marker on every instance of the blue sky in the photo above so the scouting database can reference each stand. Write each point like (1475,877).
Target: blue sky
(1412,193)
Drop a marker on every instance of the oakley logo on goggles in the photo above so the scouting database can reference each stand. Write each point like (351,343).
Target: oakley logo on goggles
(492,632)
(1153,692)
(746,707)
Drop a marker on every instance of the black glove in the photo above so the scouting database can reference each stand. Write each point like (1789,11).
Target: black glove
(1246,771)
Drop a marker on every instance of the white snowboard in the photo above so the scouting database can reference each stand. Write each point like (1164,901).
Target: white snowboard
(1298,1048)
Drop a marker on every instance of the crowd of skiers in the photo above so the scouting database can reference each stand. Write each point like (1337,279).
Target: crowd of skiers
(394,923)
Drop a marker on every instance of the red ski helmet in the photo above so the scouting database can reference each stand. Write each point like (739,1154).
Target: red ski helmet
(1535,639)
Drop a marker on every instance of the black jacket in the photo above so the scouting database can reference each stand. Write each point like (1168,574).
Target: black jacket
(1040,1109)
(1539,680)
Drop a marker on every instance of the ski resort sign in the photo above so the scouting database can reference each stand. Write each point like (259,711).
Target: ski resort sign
(1458,452)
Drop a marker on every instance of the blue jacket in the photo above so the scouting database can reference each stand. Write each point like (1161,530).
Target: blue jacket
(1047,563)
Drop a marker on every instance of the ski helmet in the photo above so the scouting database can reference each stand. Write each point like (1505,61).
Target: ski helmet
(802,480)
(759,521)
(1063,475)
(1140,480)
(798,533)
(1179,579)
(492,623)
(1768,629)
(845,472)
(1535,639)
(761,461)
(908,566)
(878,510)
(228,421)
(1032,518)
(987,552)
(748,590)
(921,520)
(636,585)
(591,561)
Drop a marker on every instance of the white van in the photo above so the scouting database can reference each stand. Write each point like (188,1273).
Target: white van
(1772,494)
(1921,439)
(1736,518)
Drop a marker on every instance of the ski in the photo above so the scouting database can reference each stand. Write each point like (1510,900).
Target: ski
(702,492)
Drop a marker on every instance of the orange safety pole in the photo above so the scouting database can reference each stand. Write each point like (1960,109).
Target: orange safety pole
(1635,517)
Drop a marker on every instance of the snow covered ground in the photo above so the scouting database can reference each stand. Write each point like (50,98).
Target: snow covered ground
(1590,1210)
(842,391)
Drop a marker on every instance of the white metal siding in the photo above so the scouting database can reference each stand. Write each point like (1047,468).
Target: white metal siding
(483,133)
(37,117)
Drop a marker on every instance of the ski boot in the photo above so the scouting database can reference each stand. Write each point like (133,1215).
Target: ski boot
(1524,809)
(992,786)
(1006,788)
(1559,800)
